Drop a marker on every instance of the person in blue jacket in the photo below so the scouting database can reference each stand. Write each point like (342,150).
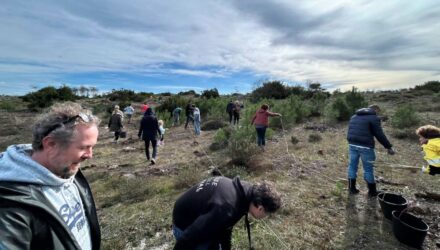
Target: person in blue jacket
(364,126)
(203,217)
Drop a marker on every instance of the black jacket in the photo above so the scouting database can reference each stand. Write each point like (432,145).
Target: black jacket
(149,126)
(209,210)
(28,221)
(189,110)
(230,107)
(363,127)
(115,122)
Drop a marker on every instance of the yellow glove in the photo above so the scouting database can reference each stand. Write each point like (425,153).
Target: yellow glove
(425,169)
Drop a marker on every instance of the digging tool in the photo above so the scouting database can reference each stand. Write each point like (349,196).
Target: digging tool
(399,166)
(395,165)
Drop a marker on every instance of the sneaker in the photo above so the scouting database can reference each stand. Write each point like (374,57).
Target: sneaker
(153,161)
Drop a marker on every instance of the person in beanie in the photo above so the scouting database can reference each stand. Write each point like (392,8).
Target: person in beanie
(115,122)
(203,217)
(429,138)
(364,126)
(148,131)
(45,200)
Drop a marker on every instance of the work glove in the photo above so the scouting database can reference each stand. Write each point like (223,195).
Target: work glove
(391,151)
(425,169)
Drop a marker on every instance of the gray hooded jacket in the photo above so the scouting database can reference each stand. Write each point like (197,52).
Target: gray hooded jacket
(39,210)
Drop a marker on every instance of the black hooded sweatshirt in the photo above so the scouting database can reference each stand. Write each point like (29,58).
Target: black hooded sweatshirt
(209,210)
(149,126)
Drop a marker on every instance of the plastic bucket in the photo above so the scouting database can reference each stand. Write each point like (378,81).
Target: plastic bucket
(390,202)
(123,134)
(409,229)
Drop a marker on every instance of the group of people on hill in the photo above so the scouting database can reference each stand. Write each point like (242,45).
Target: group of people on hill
(46,202)
(149,130)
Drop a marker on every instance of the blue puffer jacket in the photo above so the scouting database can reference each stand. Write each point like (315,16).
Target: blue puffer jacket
(363,127)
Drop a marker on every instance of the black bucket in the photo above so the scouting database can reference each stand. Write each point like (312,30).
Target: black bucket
(390,202)
(123,134)
(409,229)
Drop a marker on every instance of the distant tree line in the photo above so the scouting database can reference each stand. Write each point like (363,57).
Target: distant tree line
(317,101)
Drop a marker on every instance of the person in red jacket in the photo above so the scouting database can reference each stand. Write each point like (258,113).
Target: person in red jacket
(144,108)
(261,121)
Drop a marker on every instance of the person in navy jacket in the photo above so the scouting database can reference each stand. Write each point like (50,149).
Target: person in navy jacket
(364,126)
(203,217)
(148,131)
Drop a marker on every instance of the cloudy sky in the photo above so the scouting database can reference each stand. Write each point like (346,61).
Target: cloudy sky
(171,46)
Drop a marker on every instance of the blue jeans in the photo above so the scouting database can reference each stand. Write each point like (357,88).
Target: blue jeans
(197,127)
(367,156)
(261,132)
(177,232)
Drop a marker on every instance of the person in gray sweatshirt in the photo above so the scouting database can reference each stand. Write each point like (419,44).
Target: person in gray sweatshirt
(45,201)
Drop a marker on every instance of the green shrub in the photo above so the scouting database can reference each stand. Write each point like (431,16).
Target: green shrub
(338,110)
(213,108)
(241,145)
(47,96)
(293,111)
(11,104)
(294,140)
(221,136)
(232,171)
(123,190)
(210,93)
(188,176)
(317,103)
(218,145)
(188,93)
(404,117)
(213,125)
(127,96)
(354,101)
(269,90)
(433,86)
(314,138)
(169,104)
(407,133)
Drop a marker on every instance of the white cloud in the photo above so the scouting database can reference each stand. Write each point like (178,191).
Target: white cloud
(368,43)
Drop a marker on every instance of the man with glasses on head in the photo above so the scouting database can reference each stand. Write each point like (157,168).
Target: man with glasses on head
(45,201)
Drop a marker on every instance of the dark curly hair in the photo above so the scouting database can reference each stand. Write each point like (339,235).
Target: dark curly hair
(264,194)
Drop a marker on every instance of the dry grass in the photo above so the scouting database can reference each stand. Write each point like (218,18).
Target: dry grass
(135,199)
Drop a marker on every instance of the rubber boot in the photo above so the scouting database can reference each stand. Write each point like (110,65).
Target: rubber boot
(372,192)
(352,186)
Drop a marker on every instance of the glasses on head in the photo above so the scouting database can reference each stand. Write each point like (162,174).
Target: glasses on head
(85,117)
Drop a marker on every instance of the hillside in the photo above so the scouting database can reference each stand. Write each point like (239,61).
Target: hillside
(135,199)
